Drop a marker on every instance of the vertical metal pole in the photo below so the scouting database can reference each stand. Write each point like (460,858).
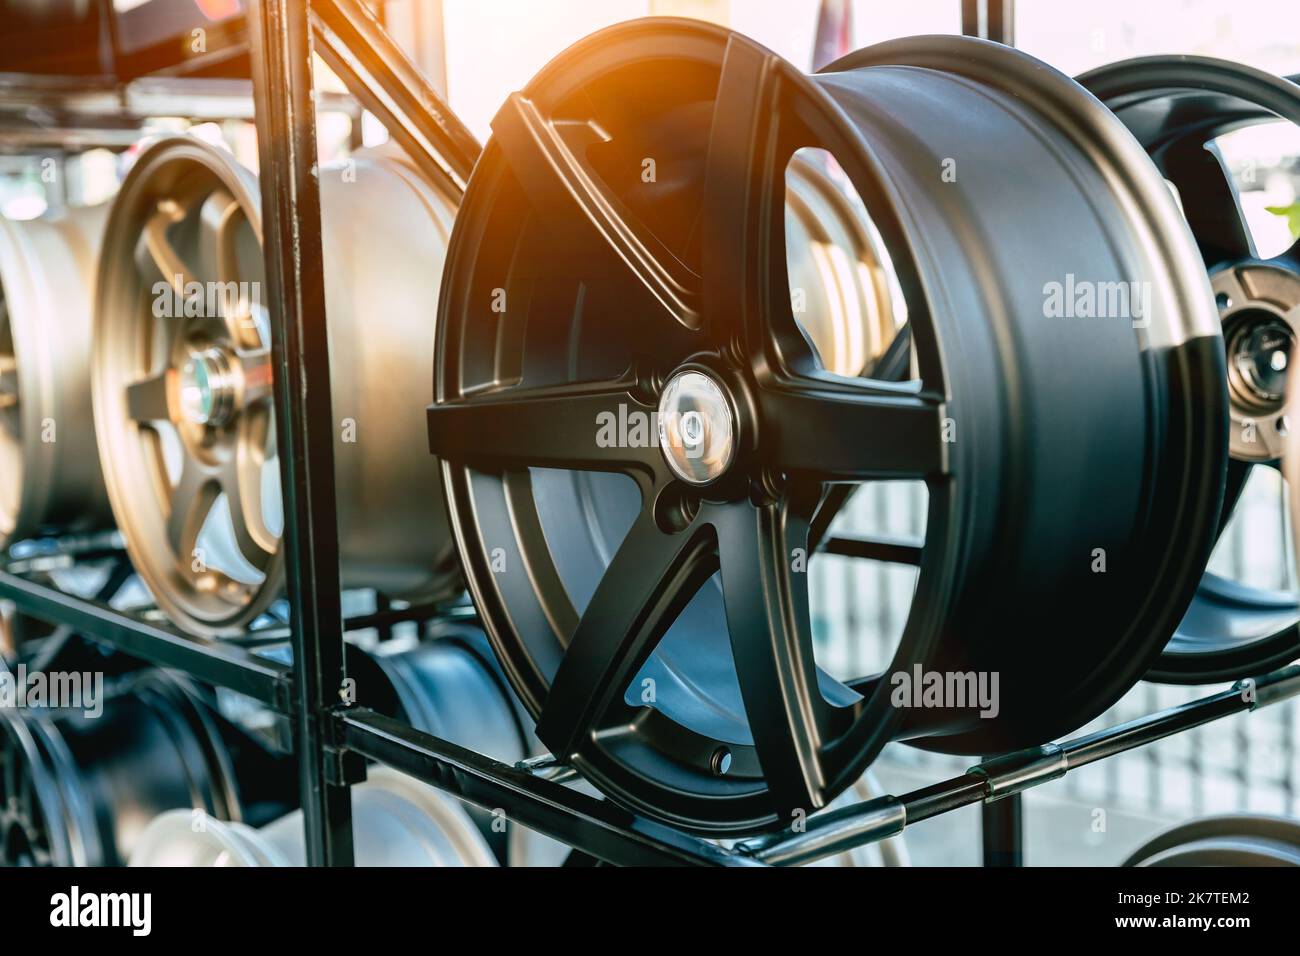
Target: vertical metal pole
(291,234)
(1003,831)
(989,20)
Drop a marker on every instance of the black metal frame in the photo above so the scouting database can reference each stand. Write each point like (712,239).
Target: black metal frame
(333,740)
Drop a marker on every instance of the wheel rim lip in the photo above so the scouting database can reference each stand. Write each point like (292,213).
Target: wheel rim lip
(79,829)
(120,440)
(12,486)
(1103,138)
(56,804)
(1233,95)
(1126,83)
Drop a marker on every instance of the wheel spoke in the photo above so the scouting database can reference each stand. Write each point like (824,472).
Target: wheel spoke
(544,155)
(649,580)
(191,501)
(771,639)
(219,219)
(745,291)
(149,399)
(155,255)
(599,426)
(241,481)
(853,433)
(1209,200)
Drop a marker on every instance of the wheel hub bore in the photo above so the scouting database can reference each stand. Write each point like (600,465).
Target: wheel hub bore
(1259,306)
(1259,354)
(208,388)
(697,429)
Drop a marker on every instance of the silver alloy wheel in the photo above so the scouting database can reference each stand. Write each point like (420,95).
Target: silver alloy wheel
(47,479)
(397,821)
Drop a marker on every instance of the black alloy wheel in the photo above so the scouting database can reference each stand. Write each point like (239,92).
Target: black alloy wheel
(1177,107)
(644,585)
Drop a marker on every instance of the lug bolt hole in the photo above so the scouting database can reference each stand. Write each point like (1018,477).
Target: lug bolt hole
(675,508)
(720,762)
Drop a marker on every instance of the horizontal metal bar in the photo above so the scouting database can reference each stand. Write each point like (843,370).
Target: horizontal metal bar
(1248,694)
(875,548)
(201,98)
(109,113)
(597,827)
(416,613)
(836,831)
(1015,772)
(216,662)
(994,779)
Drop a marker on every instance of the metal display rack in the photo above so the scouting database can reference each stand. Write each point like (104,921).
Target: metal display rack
(333,740)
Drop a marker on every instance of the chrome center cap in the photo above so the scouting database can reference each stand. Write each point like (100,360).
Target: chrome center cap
(697,429)
(207,388)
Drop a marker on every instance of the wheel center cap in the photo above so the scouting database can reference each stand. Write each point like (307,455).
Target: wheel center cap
(697,429)
(208,388)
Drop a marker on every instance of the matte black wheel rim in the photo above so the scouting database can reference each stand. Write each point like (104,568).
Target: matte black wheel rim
(744,729)
(1175,106)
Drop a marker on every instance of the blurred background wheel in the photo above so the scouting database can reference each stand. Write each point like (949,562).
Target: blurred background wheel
(183,373)
(1178,107)
(47,276)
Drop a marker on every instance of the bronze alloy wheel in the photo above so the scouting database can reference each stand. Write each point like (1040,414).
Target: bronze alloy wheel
(182,381)
(645,587)
(1177,106)
(47,276)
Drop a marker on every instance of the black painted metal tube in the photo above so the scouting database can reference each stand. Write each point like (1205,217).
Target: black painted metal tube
(286,134)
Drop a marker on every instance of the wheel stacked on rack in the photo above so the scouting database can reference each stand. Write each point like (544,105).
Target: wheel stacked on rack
(79,787)
(645,586)
(1233,840)
(449,685)
(182,372)
(838,269)
(1177,107)
(396,821)
(47,479)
